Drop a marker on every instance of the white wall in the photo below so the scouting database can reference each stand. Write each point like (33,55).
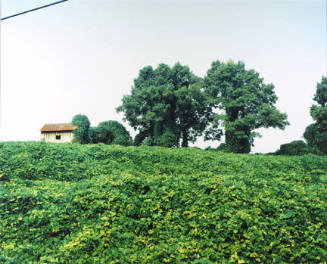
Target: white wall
(66,137)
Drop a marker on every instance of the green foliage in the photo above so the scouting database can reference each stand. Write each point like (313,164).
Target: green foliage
(100,135)
(148,141)
(166,104)
(297,147)
(321,93)
(311,134)
(316,133)
(316,136)
(244,103)
(223,147)
(70,203)
(167,139)
(141,137)
(81,134)
(111,132)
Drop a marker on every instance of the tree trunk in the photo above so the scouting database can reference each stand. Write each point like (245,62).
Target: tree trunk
(185,139)
(237,143)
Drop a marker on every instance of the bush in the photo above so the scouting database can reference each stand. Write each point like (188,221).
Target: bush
(111,132)
(297,147)
(167,139)
(148,141)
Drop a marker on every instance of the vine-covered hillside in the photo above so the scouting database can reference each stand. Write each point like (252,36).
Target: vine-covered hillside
(69,203)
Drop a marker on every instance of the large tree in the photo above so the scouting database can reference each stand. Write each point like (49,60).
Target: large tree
(316,133)
(82,132)
(242,102)
(166,104)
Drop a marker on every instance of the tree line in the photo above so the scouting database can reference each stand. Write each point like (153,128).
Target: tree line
(171,107)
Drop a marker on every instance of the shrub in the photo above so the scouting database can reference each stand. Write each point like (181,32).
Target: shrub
(148,141)
(111,132)
(297,147)
(167,139)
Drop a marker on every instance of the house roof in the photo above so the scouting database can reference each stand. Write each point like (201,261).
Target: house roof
(58,127)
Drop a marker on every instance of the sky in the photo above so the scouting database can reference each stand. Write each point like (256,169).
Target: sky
(81,56)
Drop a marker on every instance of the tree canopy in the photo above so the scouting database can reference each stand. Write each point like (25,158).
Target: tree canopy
(111,132)
(166,104)
(241,103)
(82,132)
(316,133)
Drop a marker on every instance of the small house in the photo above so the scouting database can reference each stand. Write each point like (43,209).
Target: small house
(58,133)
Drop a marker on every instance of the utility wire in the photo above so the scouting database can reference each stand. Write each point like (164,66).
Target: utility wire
(11,16)
(34,9)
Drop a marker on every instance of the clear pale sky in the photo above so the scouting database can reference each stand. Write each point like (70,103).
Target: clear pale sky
(81,56)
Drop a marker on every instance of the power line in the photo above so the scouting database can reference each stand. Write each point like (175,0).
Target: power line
(11,16)
(34,9)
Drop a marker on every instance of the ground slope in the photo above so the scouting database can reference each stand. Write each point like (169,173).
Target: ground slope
(67,203)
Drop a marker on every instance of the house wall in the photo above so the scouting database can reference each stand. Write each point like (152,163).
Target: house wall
(65,137)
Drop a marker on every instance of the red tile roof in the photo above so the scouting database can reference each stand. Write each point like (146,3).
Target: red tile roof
(58,127)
